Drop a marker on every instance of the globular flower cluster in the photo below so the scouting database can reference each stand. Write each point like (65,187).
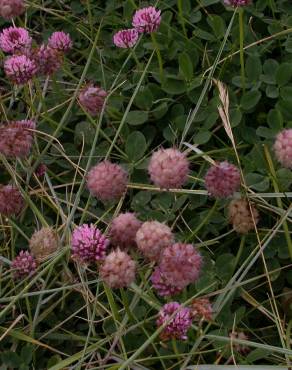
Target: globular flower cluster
(23,265)
(168,168)
(283,148)
(107,181)
(123,230)
(222,180)
(118,269)
(92,98)
(152,238)
(88,244)
(60,41)
(236,3)
(48,59)
(201,309)
(16,138)
(11,200)
(15,40)
(178,319)
(240,348)
(11,8)
(44,243)
(145,20)
(20,69)
(240,216)
(161,285)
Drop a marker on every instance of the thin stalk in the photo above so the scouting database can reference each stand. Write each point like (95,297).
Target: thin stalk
(241,42)
(159,57)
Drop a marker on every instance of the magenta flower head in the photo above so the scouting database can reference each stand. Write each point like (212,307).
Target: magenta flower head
(20,69)
(126,38)
(168,168)
(181,264)
(48,60)
(92,98)
(11,200)
(11,8)
(15,39)
(118,269)
(123,230)
(236,3)
(178,318)
(16,138)
(283,148)
(24,265)
(161,285)
(107,181)
(88,244)
(60,41)
(152,238)
(222,180)
(147,19)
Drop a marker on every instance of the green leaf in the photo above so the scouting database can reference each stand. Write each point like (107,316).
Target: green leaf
(10,359)
(218,25)
(136,117)
(253,68)
(186,66)
(26,354)
(275,119)
(174,86)
(283,74)
(135,146)
(250,99)
(84,131)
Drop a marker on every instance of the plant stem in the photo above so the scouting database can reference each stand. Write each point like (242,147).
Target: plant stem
(160,62)
(241,41)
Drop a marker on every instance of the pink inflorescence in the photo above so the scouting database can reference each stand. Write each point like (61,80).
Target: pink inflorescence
(11,200)
(147,19)
(60,41)
(48,60)
(123,230)
(107,181)
(283,148)
(222,180)
(178,325)
(16,138)
(168,168)
(236,3)
(23,265)
(161,285)
(20,69)
(92,98)
(201,309)
(181,264)
(15,39)
(126,38)
(11,8)
(88,244)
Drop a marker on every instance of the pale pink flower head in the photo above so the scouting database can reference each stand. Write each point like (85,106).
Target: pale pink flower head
(201,309)
(152,238)
(60,41)
(168,168)
(16,138)
(240,348)
(92,98)
(88,244)
(11,200)
(161,285)
(11,8)
(147,19)
(222,180)
(123,230)
(23,265)
(118,269)
(283,148)
(181,264)
(41,170)
(178,318)
(107,181)
(48,60)
(236,3)
(20,69)
(15,39)
(126,38)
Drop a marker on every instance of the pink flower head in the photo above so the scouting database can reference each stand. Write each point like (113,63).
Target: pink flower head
(60,41)
(24,265)
(107,181)
(126,38)
(15,39)
(147,19)
(283,148)
(240,348)
(48,60)
(41,170)
(222,180)
(201,309)
(11,200)
(162,286)
(20,69)
(88,244)
(123,230)
(181,264)
(11,8)
(236,3)
(178,325)
(16,138)
(168,168)
(92,98)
